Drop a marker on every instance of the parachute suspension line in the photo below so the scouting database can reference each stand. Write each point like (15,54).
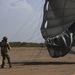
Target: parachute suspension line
(33,33)
(15,35)
(63,15)
(31,27)
(21,30)
(41,52)
(30,56)
(28,32)
(39,23)
(40,49)
(34,49)
(35,28)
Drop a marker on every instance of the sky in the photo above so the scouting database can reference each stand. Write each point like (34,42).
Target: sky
(20,20)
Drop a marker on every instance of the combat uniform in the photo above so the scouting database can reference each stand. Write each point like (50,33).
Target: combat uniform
(4,52)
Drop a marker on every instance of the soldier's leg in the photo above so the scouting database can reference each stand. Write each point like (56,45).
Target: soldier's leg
(3,62)
(8,58)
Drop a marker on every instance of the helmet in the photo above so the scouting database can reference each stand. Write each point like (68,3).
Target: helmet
(4,38)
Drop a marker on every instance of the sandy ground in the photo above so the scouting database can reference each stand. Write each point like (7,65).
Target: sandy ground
(36,61)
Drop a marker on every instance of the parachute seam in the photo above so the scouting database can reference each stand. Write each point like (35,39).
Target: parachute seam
(63,14)
(63,24)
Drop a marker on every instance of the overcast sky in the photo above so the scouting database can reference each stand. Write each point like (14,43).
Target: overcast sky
(20,20)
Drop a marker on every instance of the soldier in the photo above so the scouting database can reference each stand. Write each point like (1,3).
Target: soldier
(5,46)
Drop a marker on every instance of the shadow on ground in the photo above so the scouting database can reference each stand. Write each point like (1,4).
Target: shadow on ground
(43,63)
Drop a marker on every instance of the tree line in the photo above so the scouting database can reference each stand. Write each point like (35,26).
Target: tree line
(26,44)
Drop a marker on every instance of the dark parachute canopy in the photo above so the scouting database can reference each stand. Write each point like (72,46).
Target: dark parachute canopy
(58,26)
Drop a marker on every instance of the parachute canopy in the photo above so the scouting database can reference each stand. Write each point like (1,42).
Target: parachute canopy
(58,26)
(59,15)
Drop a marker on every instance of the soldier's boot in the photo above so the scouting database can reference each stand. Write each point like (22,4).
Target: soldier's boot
(9,63)
(3,64)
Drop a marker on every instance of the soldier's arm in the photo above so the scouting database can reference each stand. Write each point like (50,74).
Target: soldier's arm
(9,46)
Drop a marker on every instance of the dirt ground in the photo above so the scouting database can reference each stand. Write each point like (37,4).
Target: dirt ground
(36,61)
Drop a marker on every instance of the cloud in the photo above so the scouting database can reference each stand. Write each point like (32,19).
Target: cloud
(16,4)
(21,4)
(12,17)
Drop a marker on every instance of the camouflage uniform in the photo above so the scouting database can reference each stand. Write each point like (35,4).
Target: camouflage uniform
(4,52)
